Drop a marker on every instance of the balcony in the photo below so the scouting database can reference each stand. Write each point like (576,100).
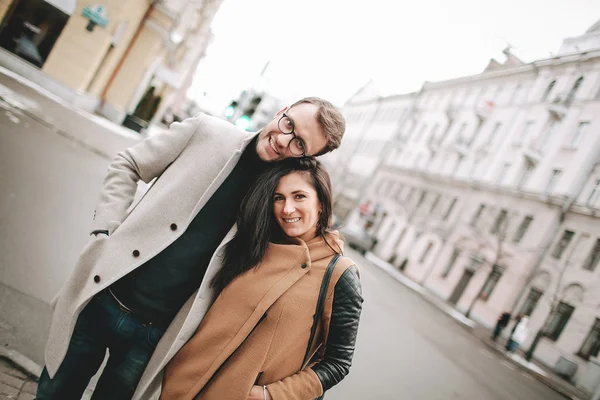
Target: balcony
(533,151)
(558,107)
(461,146)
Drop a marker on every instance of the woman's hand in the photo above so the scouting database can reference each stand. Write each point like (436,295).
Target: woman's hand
(258,393)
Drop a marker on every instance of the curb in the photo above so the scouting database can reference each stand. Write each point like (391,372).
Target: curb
(533,374)
(23,362)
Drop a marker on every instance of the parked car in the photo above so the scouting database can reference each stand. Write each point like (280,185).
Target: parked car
(357,238)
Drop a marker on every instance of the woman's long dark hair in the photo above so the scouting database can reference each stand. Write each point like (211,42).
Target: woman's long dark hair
(256,225)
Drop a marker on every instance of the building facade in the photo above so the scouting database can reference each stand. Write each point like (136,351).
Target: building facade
(488,194)
(108,56)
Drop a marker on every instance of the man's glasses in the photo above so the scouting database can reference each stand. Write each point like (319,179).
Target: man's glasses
(296,145)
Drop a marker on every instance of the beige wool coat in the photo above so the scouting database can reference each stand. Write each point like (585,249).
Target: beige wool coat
(190,161)
(258,329)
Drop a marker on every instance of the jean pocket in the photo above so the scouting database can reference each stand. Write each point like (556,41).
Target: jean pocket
(154,335)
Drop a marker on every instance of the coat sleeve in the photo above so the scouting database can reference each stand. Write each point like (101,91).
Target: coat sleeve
(144,161)
(339,350)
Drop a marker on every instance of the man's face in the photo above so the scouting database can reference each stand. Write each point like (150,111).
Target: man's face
(272,144)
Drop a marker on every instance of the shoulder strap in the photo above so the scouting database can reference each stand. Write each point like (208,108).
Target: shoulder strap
(319,310)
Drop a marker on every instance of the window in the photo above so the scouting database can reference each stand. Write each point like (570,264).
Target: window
(592,260)
(460,136)
(449,210)
(579,134)
(522,229)
(477,215)
(530,302)
(382,187)
(494,133)
(503,172)
(426,252)
(516,93)
(498,226)
(497,94)
(491,282)
(435,203)
(553,179)
(543,141)
(524,133)
(421,198)
(525,174)
(591,345)
(451,262)
(562,244)
(558,320)
(594,194)
(475,168)
(31,30)
(573,92)
(411,191)
(433,133)
(548,90)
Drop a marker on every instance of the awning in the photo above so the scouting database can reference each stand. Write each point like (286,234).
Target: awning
(66,6)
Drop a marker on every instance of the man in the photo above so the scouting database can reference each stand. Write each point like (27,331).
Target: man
(142,286)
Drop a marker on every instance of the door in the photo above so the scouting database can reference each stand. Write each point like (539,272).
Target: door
(461,286)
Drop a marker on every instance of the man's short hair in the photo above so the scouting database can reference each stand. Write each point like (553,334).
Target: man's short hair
(331,120)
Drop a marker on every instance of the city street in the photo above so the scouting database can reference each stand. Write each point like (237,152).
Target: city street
(408,349)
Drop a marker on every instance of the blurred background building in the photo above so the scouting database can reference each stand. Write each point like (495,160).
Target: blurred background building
(131,61)
(486,190)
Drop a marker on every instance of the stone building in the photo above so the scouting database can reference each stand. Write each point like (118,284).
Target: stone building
(488,192)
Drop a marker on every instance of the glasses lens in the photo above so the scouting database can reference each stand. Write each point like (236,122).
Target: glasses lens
(297,147)
(286,125)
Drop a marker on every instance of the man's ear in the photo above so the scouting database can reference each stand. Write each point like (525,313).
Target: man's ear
(284,109)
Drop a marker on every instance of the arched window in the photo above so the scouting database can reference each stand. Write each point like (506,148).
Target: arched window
(571,95)
(548,90)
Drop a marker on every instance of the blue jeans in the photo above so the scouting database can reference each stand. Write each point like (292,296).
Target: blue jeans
(102,325)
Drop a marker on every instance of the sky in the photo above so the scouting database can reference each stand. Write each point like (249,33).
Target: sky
(331,48)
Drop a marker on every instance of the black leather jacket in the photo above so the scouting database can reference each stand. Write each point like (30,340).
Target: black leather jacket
(345,315)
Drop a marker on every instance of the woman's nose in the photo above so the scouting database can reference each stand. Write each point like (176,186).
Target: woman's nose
(289,208)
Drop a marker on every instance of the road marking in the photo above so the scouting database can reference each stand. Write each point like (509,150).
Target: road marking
(507,364)
(527,376)
(486,353)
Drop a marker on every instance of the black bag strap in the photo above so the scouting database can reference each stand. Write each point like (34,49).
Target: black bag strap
(320,303)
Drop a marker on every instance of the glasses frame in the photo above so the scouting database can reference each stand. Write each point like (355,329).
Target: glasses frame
(293,133)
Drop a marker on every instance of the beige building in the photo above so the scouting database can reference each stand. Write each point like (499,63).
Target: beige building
(106,56)
(488,194)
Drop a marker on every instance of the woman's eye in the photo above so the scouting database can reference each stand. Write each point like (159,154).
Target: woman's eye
(300,196)
(277,198)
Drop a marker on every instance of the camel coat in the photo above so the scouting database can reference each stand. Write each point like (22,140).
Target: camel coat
(257,330)
(191,160)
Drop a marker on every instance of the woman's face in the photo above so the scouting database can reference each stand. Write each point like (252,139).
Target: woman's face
(296,206)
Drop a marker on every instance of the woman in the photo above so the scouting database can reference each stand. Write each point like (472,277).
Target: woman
(253,342)
(519,336)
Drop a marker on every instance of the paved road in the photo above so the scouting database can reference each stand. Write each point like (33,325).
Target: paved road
(407,349)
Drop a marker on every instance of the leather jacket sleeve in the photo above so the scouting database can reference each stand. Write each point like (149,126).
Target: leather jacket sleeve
(345,315)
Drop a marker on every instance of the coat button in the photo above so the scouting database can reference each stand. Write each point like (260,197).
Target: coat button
(97,278)
(136,253)
(303,266)
(173,227)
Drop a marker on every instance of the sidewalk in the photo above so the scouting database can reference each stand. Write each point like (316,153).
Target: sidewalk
(534,369)
(20,96)
(15,383)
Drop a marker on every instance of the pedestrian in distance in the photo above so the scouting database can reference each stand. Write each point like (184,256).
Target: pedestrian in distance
(512,331)
(501,323)
(258,339)
(519,336)
(141,286)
